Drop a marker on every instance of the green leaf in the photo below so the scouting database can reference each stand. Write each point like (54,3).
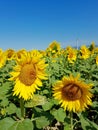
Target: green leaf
(11,108)
(95,104)
(84,123)
(96,89)
(87,124)
(18,112)
(22,125)
(67,127)
(35,101)
(4,102)
(95,76)
(45,91)
(55,65)
(4,90)
(47,106)
(56,102)
(67,71)
(59,114)
(42,122)
(6,123)
(94,125)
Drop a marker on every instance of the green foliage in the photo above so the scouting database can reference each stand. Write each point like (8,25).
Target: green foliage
(4,89)
(67,126)
(59,114)
(43,111)
(41,122)
(11,109)
(87,124)
(47,106)
(25,124)
(36,101)
(6,123)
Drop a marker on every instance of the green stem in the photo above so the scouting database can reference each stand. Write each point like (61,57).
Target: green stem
(71,120)
(22,108)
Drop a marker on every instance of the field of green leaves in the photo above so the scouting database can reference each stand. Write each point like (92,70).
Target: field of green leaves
(52,89)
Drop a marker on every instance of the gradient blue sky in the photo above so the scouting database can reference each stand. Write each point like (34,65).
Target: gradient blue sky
(34,24)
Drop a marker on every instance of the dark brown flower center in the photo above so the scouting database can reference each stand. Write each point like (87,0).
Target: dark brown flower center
(28,74)
(9,55)
(72,92)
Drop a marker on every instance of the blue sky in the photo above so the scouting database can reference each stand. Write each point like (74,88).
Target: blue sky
(34,24)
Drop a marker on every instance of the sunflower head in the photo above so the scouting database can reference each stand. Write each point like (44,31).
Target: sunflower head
(85,52)
(10,53)
(2,58)
(68,48)
(97,60)
(53,48)
(20,55)
(72,93)
(28,74)
(72,55)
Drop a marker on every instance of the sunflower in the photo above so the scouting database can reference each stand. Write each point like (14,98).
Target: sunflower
(9,53)
(97,60)
(28,74)
(72,93)
(68,48)
(72,55)
(53,48)
(2,58)
(20,55)
(85,52)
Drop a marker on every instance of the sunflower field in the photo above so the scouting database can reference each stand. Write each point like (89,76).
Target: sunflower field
(52,89)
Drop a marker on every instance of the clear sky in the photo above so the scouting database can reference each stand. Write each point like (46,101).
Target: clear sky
(34,24)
